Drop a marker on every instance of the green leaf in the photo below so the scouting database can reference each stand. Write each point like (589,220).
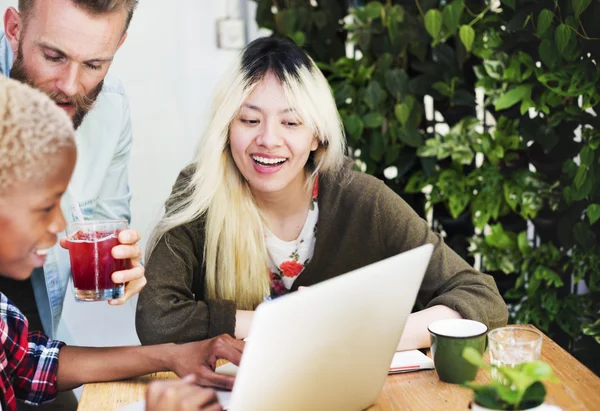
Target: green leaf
(363,38)
(508,394)
(373,120)
(524,245)
(593,213)
(548,53)
(463,155)
(442,88)
(537,369)
(486,395)
(587,156)
(534,395)
(416,182)
(433,23)
(474,357)
(402,112)
(354,125)
(392,154)
(562,36)
(467,36)
(451,15)
(549,276)
(526,104)
(377,147)
(373,10)
(458,202)
(299,38)
(513,96)
(431,148)
(285,22)
(579,6)
(544,21)
(510,3)
(580,177)
(396,81)
(584,235)
(411,137)
(396,13)
(499,238)
(374,95)
(342,93)
(320,19)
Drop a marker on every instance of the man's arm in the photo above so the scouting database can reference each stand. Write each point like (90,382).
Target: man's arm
(113,201)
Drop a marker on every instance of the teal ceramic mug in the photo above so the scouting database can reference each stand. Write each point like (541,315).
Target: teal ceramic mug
(448,340)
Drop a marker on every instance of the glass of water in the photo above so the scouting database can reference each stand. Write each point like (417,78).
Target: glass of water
(513,345)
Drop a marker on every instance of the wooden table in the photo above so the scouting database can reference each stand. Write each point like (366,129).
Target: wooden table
(579,388)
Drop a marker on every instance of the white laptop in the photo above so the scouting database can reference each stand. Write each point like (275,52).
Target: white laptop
(329,347)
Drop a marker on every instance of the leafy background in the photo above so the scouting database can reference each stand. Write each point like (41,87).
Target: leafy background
(482,116)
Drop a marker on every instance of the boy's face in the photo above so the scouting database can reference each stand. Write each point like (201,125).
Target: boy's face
(30,217)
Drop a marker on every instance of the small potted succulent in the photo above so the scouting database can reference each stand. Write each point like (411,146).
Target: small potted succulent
(520,388)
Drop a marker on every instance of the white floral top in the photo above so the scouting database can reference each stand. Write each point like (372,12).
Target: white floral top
(287,259)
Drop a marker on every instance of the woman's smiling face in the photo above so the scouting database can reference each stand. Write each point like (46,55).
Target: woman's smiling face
(269,143)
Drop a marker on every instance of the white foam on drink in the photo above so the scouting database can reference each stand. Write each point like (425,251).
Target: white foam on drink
(112,235)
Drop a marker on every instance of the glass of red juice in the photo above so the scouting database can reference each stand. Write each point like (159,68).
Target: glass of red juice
(92,264)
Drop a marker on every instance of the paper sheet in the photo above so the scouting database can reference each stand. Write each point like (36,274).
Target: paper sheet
(407,361)
(403,361)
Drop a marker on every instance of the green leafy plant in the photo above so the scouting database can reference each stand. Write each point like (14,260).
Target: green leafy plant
(513,180)
(519,388)
(313,25)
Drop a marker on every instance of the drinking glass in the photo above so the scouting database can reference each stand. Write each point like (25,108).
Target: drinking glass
(92,263)
(513,345)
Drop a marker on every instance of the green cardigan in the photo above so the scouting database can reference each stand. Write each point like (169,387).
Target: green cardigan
(361,221)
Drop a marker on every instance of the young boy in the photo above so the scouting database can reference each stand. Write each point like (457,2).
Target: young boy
(33,368)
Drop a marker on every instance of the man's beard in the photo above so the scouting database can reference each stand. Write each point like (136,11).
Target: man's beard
(82,103)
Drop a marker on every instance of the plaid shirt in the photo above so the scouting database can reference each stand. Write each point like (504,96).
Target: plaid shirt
(28,361)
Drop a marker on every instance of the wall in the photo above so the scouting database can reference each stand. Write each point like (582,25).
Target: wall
(169,64)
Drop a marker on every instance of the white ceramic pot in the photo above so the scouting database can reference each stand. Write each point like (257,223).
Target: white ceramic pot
(543,407)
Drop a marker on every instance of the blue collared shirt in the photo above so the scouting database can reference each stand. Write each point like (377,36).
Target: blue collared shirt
(99,182)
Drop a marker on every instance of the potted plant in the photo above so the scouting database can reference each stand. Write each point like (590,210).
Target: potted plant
(522,388)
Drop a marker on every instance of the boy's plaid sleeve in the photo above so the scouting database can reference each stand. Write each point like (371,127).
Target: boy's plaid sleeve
(35,379)
(28,361)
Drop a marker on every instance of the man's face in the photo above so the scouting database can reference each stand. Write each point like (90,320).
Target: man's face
(66,51)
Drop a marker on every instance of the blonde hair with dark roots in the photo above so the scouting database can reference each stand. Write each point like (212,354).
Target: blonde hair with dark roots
(93,6)
(235,257)
(32,127)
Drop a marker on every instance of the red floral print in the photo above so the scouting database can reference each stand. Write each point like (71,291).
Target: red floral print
(291,268)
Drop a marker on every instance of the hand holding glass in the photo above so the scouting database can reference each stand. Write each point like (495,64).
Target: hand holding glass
(92,263)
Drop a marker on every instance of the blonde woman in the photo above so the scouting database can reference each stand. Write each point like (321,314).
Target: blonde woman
(271,204)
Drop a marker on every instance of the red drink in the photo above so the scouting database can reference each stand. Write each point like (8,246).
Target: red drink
(92,263)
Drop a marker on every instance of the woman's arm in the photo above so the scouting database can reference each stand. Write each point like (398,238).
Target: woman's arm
(415,334)
(243,321)
(172,307)
(449,280)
